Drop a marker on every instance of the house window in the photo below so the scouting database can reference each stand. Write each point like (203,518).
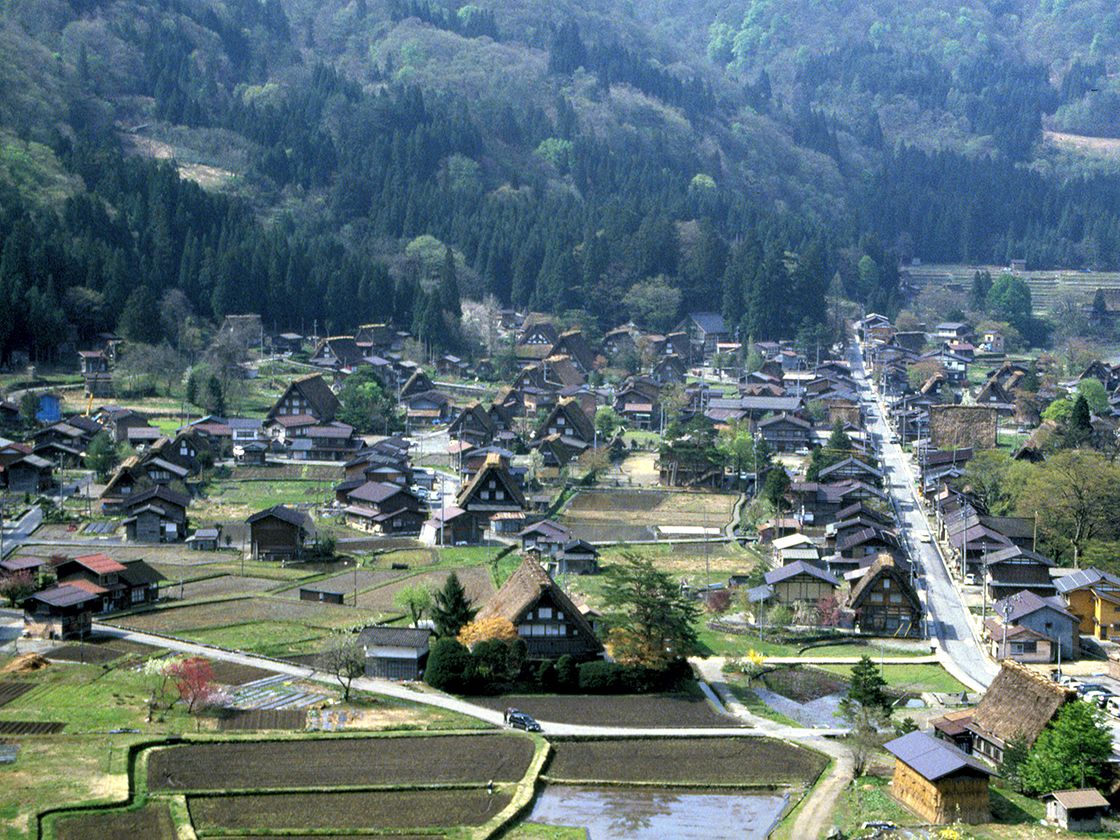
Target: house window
(544,612)
(886,583)
(500,495)
(896,598)
(137,595)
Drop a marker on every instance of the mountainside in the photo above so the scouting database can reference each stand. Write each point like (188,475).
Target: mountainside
(612,158)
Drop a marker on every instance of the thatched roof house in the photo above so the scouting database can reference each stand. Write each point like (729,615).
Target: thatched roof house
(1018,705)
(884,600)
(543,614)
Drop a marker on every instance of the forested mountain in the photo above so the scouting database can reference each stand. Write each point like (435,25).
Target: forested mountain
(611,158)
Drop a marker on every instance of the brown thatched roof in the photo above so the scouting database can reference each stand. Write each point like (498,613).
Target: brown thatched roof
(884,566)
(1018,704)
(524,588)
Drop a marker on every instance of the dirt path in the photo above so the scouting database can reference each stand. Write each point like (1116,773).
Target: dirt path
(816,816)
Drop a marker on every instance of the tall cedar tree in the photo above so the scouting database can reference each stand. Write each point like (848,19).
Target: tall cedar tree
(649,615)
(451,608)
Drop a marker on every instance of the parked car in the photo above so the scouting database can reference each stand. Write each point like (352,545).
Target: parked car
(520,720)
(925,537)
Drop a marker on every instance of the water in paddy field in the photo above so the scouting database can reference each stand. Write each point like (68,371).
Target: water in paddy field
(660,813)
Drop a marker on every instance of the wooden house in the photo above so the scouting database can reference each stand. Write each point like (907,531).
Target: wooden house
(492,490)
(575,557)
(205,539)
(885,602)
(474,425)
(60,612)
(338,352)
(395,653)
(307,396)
(280,533)
(288,342)
(785,432)
(937,781)
(557,450)
(545,617)
(573,345)
(428,407)
(568,420)
(1018,705)
(800,582)
(28,474)
(1076,810)
(1015,569)
(705,330)
(158,514)
(1094,597)
(546,537)
(118,586)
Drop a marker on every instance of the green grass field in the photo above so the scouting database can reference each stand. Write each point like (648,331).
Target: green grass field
(914,678)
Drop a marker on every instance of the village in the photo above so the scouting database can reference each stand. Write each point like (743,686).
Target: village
(347,538)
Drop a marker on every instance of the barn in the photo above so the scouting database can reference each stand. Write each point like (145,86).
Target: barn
(939,782)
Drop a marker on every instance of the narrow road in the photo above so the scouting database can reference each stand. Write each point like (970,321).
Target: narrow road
(758,726)
(949,623)
(16,534)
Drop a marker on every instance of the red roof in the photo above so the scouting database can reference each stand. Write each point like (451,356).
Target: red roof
(102,564)
(87,586)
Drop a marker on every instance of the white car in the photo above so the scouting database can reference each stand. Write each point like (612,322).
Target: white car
(925,537)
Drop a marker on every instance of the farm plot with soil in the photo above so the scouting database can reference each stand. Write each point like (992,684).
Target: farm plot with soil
(648,710)
(216,587)
(405,760)
(152,822)
(628,515)
(366,579)
(348,809)
(700,761)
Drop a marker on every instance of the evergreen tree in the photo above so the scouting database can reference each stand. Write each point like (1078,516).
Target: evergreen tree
(451,609)
(449,285)
(866,688)
(215,397)
(981,286)
(192,387)
(1079,429)
(139,321)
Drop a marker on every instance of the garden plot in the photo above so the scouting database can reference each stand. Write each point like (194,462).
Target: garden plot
(475,579)
(632,515)
(274,693)
(235,674)
(347,809)
(331,762)
(152,822)
(700,761)
(215,587)
(241,611)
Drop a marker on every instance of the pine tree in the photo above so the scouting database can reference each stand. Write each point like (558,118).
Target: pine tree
(451,608)
(192,387)
(866,688)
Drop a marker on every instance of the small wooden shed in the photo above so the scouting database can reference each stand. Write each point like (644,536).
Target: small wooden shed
(1076,810)
(939,782)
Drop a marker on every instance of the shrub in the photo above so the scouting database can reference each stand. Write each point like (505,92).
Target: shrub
(450,666)
(567,677)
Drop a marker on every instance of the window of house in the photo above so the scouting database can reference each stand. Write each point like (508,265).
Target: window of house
(485,495)
(896,598)
(137,595)
(544,612)
(886,583)
(499,494)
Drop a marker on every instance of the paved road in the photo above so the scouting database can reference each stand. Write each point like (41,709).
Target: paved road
(949,621)
(15,534)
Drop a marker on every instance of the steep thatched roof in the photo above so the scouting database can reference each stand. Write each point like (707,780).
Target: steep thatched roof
(884,566)
(524,589)
(1018,704)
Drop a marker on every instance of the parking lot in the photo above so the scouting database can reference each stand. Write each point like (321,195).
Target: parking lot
(1109,694)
